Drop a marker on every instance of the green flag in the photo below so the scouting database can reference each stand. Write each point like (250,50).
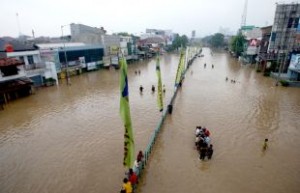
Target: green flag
(125,115)
(159,86)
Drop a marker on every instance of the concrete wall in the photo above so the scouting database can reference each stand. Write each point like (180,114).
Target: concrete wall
(78,29)
(91,38)
(25,54)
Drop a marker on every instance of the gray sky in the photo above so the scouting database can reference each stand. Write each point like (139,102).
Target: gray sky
(133,16)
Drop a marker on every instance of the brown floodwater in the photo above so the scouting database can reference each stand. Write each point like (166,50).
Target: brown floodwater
(70,138)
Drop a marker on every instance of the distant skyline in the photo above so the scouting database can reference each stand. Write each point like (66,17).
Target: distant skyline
(206,17)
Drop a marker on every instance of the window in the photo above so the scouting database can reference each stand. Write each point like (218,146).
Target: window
(290,22)
(296,23)
(21,58)
(30,59)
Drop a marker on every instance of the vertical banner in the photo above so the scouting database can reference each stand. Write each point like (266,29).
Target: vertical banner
(187,53)
(159,86)
(125,115)
(180,69)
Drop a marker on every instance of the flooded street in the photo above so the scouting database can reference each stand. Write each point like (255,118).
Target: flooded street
(70,138)
(240,116)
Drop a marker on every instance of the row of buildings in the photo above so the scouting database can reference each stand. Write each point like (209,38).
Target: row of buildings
(276,48)
(31,62)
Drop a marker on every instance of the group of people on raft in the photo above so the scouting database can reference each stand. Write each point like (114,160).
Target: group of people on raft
(203,143)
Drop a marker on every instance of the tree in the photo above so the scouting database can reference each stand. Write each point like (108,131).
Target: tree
(179,41)
(237,44)
(206,40)
(184,41)
(123,34)
(217,40)
(176,42)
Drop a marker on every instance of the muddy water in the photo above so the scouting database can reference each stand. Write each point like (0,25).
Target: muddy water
(240,116)
(70,138)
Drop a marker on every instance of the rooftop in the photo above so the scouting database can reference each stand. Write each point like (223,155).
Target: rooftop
(59,45)
(10,62)
(16,45)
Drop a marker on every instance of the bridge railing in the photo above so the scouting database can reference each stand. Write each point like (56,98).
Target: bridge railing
(149,148)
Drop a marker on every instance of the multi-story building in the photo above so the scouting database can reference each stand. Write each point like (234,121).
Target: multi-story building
(13,80)
(253,37)
(284,34)
(78,29)
(193,34)
(32,67)
(94,35)
(166,35)
(263,59)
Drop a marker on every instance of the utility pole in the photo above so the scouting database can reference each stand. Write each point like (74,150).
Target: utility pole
(18,23)
(33,34)
(66,60)
(244,16)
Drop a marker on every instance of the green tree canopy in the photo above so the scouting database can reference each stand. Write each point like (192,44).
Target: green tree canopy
(184,40)
(123,34)
(237,44)
(217,40)
(180,41)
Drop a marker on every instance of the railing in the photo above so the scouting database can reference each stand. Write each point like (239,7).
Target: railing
(12,77)
(270,56)
(34,66)
(141,166)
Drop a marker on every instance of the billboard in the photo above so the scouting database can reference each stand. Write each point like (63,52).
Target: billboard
(91,66)
(252,50)
(253,42)
(114,49)
(295,62)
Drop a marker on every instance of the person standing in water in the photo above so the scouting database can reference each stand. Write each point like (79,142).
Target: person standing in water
(153,88)
(210,151)
(141,88)
(203,151)
(265,145)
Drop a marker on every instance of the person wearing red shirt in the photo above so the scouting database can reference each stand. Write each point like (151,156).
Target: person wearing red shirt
(133,179)
(206,132)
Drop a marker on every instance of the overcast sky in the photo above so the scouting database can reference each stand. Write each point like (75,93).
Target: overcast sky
(182,16)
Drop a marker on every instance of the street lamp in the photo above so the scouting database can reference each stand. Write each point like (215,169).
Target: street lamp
(66,60)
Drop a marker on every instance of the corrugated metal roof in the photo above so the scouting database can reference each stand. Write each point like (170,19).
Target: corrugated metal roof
(16,44)
(59,45)
(86,47)
(10,62)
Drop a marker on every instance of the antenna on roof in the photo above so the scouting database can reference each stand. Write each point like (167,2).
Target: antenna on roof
(18,23)
(33,34)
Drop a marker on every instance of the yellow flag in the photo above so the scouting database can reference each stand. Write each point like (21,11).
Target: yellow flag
(125,115)
(180,69)
(159,86)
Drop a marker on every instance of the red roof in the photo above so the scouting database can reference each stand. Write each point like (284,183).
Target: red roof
(10,62)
